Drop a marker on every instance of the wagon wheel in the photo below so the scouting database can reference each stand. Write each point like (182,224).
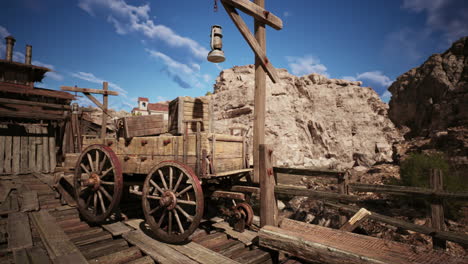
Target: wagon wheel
(172,201)
(98,183)
(247,210)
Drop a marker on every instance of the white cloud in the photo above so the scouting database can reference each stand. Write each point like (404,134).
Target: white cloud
(207,77)
(386,96)
(286,14)
(127,18)
(4,32)
(306,65)
(446,16)
(86,76)
(171,63)
(376,77)
(161,98)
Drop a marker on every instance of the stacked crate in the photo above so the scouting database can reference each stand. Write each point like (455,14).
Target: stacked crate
(184,109)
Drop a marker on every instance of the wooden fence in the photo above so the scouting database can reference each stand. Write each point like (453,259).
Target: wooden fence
(435,196)
(27,148)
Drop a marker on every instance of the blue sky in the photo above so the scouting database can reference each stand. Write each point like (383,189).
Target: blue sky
(158,49)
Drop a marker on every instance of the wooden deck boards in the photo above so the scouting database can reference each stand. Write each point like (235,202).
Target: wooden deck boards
(19,231)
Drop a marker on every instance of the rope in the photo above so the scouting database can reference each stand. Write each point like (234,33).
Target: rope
(215,5)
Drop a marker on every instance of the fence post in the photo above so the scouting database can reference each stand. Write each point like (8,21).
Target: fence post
(343,189)
(268,205)
(437,209)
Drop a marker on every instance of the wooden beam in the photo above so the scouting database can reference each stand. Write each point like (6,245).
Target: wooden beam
(309,172)
(25,102)
(268,205)
(299,191)
(105,102)
(257,12)
(356,220)
(88,90)
(253,43)
(437,208)
(29,115)
(460,238)
(406,190)
(97,103)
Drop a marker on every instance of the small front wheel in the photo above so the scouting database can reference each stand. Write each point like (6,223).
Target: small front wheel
(172,201)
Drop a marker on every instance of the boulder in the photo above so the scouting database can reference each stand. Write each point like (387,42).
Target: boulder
(311,121)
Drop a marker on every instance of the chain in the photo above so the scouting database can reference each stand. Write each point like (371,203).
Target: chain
(216,5)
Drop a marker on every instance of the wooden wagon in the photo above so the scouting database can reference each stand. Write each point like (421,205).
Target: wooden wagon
(173,172)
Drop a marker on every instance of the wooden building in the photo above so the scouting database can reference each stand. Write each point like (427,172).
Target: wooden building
(31,119)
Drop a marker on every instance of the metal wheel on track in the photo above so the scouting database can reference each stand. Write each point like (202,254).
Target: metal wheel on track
(98,183)
(172,201)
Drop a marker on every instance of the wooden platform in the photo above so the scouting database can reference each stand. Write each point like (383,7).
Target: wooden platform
(327,245)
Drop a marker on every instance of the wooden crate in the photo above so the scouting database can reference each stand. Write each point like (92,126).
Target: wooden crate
(137,126)
(186,108)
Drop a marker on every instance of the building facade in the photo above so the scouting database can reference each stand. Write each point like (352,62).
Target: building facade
(147,108)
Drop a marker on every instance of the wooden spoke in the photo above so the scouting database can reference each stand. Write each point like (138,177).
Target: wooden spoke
(88,200)
(84,168)
(155,209)
(103,162)
(186,202)
(95,203)
(162,179)
(105,193)
(162,217)
(178,182)
(153,197)
(156,186)
(169,228)
(170,178)
(105,173)
(97,160)
(101,201)
(189,217)
(188,188)
(181,228)
(107,183)
(91,164)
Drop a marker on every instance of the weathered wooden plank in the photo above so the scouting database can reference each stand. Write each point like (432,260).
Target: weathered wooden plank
(88,90)
(247,237)
(308,172)
(117,229)
(123,256)
(37,255)
(201,254)
(103,248)
(57,243)
(32,148)
(39,147)
(2,153)
(135,223)
(406,190)
(16,158)
(437,208)
(10,205)
(253,43)
(160,252)
(8,152)
(45,151)
(52,151)
(257,12)
(24,164)
(20,256)
(143,260)
(446,235)
(356,220)
(19,231)
(30,201)
(300,191)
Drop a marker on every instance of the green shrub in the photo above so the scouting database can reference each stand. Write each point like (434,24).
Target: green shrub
(415,171)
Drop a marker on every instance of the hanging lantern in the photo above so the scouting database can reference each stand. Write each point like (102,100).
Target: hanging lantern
(216,55)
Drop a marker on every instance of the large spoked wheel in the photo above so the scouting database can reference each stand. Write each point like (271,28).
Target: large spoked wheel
(98,183)
(172,201)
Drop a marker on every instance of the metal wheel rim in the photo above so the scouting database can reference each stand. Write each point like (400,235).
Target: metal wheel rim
(172,220)
(97,202)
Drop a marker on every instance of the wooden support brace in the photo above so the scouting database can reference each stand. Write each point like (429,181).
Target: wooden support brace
(253,43)
(437,208)
(356,220)
(88,90)
(97,103)
(257,12)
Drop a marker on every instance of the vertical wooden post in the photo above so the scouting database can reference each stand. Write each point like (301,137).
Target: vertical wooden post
(45,150)
(105,101)
(8,154)
(52,151)
(259,98)
(268,205)
(437,208)
(343,189)
(2,152)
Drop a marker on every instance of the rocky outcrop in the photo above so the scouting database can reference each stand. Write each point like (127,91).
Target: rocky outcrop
(311,121)
(434,96)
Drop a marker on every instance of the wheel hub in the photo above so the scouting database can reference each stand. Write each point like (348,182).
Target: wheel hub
(168,200)
(94,181)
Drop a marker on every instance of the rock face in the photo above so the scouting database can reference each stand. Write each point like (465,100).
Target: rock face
(434,96)
(311,121)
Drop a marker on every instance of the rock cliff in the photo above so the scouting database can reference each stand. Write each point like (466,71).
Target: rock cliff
(311,121)
(434,96)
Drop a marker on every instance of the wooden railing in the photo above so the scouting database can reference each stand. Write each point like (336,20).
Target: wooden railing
(434,196)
